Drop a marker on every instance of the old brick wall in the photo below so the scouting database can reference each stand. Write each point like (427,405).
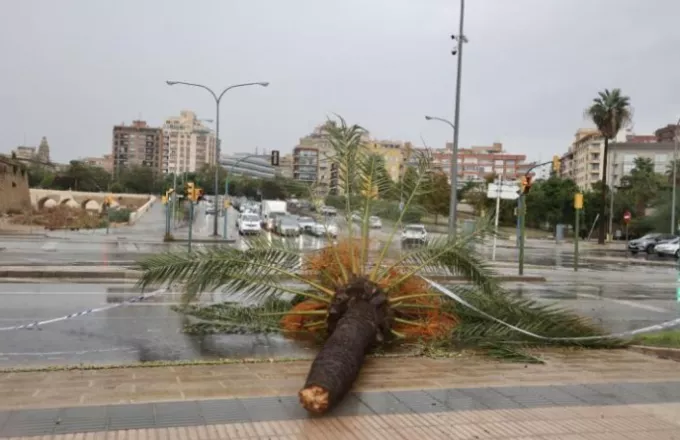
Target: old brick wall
(14,192)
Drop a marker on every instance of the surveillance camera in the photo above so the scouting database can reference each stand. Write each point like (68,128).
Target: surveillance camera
(453,37)
(454,52)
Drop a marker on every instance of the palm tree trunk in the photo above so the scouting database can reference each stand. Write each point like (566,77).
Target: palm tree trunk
(363,319)
(603,210)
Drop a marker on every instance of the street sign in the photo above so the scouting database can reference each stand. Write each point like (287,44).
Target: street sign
(507,192)
(626,217)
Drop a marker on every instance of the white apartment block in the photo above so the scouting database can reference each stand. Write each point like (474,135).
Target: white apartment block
(621,158)
(189,144)
(584,161)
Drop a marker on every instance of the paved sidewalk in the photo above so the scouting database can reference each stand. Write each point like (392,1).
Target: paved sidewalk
(576,395)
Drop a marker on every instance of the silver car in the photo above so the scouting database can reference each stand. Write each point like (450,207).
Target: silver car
(648,242)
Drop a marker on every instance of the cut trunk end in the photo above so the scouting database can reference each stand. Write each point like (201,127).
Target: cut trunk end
(362,310)
(315,399)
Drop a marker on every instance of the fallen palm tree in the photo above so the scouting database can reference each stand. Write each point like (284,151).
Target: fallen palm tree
(353,301)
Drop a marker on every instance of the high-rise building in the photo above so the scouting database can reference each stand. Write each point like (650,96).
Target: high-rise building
(312,159)
(583,162)
(189,144)
(137,145)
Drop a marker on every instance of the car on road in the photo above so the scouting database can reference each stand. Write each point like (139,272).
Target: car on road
(306,224)
(329,211)
(648,242)
(356,217)
(669,248)
(249,224)
(322,230)
(414,234)
(287,226)
(210,209)
(374,222)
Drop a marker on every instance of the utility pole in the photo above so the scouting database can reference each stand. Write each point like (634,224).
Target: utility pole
(460,38)
(674,226)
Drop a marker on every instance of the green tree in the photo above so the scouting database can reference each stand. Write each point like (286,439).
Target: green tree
(436,199)
(141,180)
(642,185)
(610,111)
(551,202)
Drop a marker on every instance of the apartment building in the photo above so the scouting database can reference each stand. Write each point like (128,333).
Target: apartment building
(189,144)
(621,158)
(394,153)
(285,168)
(478,162)
(105,162)
(312,159)
(583,162)
(137,145)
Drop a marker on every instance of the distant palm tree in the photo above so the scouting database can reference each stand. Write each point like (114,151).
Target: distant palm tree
(610,111)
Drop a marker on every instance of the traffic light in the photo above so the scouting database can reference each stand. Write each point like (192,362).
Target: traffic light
(525,184)
(275,158)
(189,191)
(556,164)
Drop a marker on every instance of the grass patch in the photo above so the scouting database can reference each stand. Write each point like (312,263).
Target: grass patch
(666,338)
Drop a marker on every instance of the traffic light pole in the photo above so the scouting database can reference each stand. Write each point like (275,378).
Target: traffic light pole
(522,210)
(521,213)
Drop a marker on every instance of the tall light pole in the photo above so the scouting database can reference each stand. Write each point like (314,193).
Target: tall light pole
(675,172)
(454,176)
(218,99)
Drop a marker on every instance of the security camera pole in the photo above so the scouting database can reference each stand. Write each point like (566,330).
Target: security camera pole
(460,38)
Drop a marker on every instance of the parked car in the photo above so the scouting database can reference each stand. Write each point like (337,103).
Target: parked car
(306,224)
(249,224)
(322,230)
(648,242)
(287,226)
(356,217)
(668,248)
(375,222)
(414,234)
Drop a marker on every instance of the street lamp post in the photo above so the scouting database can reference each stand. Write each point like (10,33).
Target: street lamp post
(675,171)
(218,99)
(454,177)
(226,188)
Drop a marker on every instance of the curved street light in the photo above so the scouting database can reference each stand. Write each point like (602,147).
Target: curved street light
(454,176)
(218,99)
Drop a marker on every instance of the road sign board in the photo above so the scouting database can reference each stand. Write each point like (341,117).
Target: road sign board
(504,192)
(626,216)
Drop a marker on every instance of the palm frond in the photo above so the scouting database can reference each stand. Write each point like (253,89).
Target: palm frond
(547,320)
(346,143)
(256,271)
(455,257)
(422,176)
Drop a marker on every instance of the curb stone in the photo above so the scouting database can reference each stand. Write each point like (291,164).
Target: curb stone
(660,352)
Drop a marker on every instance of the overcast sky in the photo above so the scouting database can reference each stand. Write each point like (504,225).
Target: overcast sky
(71,69)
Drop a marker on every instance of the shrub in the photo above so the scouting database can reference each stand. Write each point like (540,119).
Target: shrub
(120,215)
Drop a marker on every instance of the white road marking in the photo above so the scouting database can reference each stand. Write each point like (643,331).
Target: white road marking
(626,303)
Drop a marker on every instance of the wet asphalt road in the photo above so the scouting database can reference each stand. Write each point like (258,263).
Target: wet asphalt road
(127,244)
(617,300)
(615,290)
